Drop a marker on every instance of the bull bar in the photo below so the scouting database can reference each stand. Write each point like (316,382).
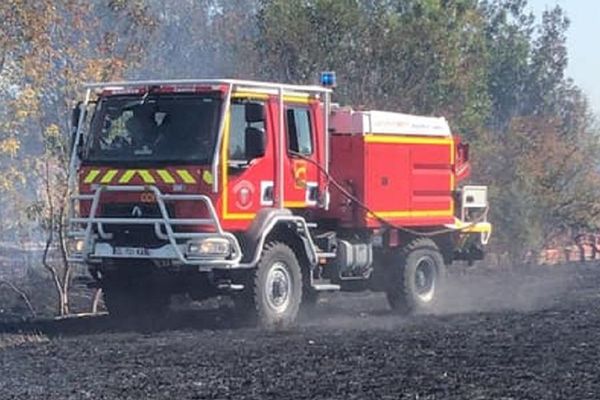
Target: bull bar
(94,250)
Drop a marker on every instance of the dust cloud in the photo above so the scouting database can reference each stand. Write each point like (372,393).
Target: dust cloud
(522,290)
(518,290)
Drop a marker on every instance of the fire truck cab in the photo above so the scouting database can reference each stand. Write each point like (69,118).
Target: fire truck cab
(266,192)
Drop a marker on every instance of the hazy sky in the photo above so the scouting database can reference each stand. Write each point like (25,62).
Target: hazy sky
(583,42)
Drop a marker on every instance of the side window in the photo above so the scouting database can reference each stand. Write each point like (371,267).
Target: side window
(237,127)
(237,131)
(299,130)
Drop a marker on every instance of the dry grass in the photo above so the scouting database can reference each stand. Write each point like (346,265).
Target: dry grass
(14,340)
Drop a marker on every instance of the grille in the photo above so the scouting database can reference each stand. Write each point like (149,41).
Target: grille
(131,235)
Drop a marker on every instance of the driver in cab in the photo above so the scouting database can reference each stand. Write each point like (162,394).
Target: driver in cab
(142,128)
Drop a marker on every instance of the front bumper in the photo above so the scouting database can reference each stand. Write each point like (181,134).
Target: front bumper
(483,229)
(173,255)
(96,244)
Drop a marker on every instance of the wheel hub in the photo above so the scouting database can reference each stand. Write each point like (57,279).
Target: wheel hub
(425,276)
(278,287)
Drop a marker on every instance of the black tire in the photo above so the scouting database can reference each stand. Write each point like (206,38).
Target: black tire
(274,294)
(417,278)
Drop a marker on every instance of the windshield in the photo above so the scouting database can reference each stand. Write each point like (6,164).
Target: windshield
(168,128)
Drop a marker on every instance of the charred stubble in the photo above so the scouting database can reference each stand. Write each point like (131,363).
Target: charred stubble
(526,335)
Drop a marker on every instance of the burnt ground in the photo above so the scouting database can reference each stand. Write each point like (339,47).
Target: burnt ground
(521,335)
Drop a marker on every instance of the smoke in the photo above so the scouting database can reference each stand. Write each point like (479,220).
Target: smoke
(478,291)
(193,39)
(521,290)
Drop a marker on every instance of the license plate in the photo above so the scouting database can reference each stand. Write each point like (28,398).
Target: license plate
(131,251)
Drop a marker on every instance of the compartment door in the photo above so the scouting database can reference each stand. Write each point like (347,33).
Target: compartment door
(388,186)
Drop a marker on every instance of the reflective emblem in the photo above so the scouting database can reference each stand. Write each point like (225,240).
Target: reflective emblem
(147,197)
(299,170)
(136,212)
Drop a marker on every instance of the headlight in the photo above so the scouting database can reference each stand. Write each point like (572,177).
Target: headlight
(211,247)
(76,246)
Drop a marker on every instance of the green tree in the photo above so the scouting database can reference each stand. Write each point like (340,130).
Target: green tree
(415,56)
(508,35)
(549,61)
(538,154)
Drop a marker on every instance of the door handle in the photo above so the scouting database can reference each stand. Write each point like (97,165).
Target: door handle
(266,193)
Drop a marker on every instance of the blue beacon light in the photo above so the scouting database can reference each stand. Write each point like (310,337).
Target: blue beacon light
(327,79)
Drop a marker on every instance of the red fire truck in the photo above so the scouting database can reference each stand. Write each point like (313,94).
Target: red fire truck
(266,192)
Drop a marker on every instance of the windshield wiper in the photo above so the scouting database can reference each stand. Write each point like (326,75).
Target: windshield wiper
(147,94)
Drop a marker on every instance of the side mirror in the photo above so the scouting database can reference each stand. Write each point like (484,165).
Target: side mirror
(75,115)
(255,143)
(255,112)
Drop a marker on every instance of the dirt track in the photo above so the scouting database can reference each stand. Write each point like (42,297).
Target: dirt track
(519,336)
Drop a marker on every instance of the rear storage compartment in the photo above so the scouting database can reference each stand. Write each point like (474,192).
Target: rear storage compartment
(401,167)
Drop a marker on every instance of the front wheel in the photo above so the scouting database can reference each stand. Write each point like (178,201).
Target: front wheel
(417,278)
(275,292)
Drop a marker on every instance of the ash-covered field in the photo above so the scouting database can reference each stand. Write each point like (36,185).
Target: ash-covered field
(521,335)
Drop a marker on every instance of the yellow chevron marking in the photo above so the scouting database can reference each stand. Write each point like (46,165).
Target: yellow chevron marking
(108,176)
(127,176)
(146,176)
(91,176)
(186,176)
(207,177)
(165,176)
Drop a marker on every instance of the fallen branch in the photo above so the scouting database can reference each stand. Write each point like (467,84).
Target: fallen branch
(21,294)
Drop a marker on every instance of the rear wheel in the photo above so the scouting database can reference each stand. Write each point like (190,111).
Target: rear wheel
(275,289)
(417,278)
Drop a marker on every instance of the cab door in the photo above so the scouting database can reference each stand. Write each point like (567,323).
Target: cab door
(247,162)
(301,175)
